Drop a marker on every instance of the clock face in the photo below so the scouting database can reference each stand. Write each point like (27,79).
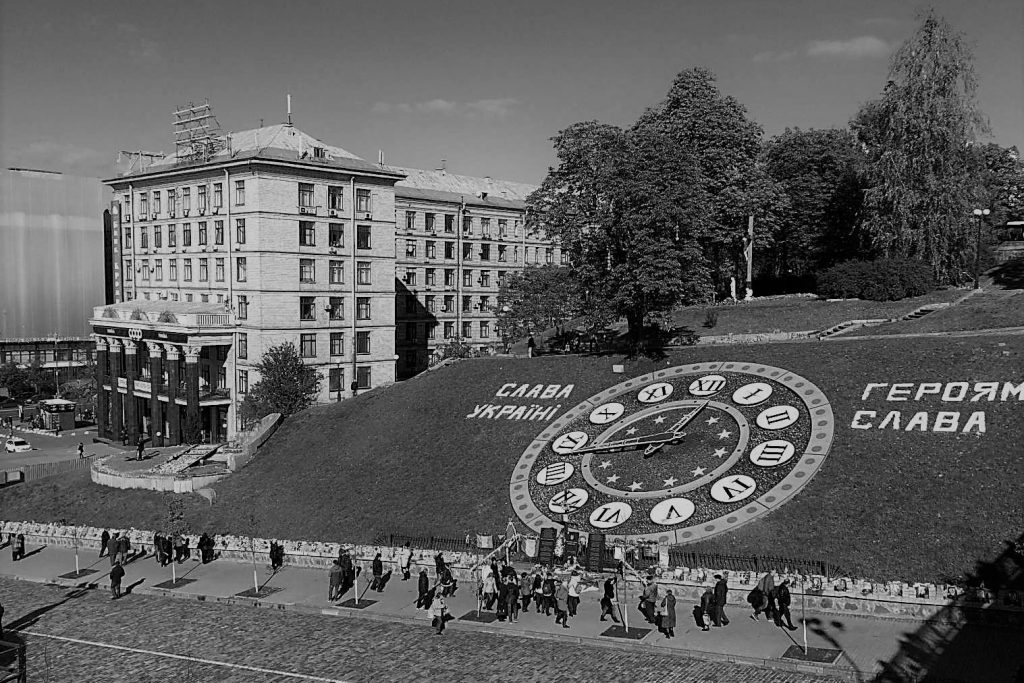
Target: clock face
(678,455)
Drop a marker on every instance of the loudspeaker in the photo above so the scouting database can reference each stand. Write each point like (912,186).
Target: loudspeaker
(546,547)
(595,553)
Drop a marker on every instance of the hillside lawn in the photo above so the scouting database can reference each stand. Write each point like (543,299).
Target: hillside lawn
(989,310)
(885,505)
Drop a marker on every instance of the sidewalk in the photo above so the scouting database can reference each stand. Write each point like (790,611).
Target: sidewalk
(864,641)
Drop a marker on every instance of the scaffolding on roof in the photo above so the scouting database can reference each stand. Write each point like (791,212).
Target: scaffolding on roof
(197,133)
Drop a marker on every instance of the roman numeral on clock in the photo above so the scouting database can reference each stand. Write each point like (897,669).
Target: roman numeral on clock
(569,500)
(777,417)
(772,453)
(655,392)
(705,386)
(555,473)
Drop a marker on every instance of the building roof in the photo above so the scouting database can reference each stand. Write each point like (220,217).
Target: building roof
(456,198)
(462,185)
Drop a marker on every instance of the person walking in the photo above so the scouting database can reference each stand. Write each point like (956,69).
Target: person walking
(123,546)
(705,610)
(502,590)
(525,590)
(140,448)
(561,600)
(1,621)
(488,589)
(405,561)
(608,600)
(548,587)
(124,436)
(334,588)
(721,597)
(116,574)
(448,583)
(81,450)
(784,599)
(512,583)
(649,599)
(423,590)
(574,593)
(18,547)
(114,545)
(348,573)
(168,546)
(538,590)
(668,614)
(377,570)
(104,540)
(438,611)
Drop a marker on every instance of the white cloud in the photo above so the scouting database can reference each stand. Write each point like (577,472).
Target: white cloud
(496,108)
(860,47)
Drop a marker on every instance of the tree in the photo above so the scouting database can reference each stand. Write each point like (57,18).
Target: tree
(16,381)
(919,135)
(286,386)
(821,172)
(1000,183)
(177,525)
(537,298)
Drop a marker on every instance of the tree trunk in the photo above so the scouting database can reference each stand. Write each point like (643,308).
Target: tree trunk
(635,325)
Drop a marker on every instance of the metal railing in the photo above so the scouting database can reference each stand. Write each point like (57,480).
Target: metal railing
(13,663)
(439,543)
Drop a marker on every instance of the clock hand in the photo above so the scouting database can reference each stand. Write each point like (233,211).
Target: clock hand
(685,420)
(653,439)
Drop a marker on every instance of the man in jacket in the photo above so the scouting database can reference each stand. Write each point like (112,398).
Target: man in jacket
(377,569)
(114,547)
(116,574)
(784,599)
(104,540)
(706,607)
(721,597)
(334,588)
(608,601)
(423,590)
(649,599)
(123,546)
(562,605)
(574,593)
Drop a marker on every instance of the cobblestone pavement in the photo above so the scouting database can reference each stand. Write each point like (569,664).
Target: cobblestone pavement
(286,646)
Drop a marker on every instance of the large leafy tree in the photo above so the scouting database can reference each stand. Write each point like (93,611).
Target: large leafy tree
(919,135)
(538,298)
(821,172)
(1000,182)
(286,385)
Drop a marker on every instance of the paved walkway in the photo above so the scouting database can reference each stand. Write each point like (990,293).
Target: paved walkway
(865,642)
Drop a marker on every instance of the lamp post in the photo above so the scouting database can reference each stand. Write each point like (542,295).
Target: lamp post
(979,215)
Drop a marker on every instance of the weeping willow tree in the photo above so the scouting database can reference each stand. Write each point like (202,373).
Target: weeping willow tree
(918,136)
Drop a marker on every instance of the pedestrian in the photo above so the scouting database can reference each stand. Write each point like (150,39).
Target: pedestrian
(561,599)
(114,547)
(502,587)
(784,599)
(124,545)
(608,600)
(448,582)
(81,450)
(512,582)
(104,540)
(405,561)
(181,551)
(168,546)
(205,547)
(525,590)
(423,589)
(56,432)
(548,588)
(124,436)
(18,547)
(649,599)
(348,572)
(377,569)
(531,347)
(767,586)
(158,548)
(668,614)
(438,612)
(574,593)
(334,589)
(488,589)
(705,609)
(538,590)
(721,597)
(116,574)
(277,556)
(140,447)
(1,621)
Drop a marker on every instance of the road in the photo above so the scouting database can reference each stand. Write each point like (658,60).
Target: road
(47,448)
(83,636)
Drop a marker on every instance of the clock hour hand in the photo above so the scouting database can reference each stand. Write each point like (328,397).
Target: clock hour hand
(636,442)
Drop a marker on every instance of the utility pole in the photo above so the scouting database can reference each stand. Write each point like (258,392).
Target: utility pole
(979,214)
(748,252)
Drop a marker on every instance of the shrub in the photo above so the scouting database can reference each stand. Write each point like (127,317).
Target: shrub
(881,280)
(109,312)
(138,314)
(710,318)
(167,317)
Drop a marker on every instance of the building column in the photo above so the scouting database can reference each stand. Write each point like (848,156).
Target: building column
(156,418)
(131,372)
(116,404)
(102,404)
(193,421)
(173,414)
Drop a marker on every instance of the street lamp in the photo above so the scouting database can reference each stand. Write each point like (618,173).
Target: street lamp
(979,214)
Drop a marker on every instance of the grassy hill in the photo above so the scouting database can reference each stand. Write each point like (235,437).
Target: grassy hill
(886,503)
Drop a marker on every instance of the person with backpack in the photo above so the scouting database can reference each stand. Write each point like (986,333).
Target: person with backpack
(548,592)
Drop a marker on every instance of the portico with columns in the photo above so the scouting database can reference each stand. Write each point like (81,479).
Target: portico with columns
(164,376)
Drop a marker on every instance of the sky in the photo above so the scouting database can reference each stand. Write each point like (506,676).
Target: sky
(483,85)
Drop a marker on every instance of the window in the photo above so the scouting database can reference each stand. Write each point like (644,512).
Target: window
(144,205)
(186,199)
(145,269)
(143,238)
(449,250)
(172,236)
(336,309)
(362,237)
(158,236)
(239,231)
(449,304)
(410,220)
(363,201)
(202,233)
(502,227)
(467,251)
(336,235)
(563,258)
(449,277)
(467,329)
(485,227)
(204,269)
(517,229)
(410,248)
(449,330)
(485,303)
(431,221)
(127,238)
(467,225)
(243,345)
(431,249)
(201,196)
(501,278)
(336,380)
(362,342)
(502,253)
(467,304)
(307,234)
(515,254)
(172,202)
(549,256)
(431,305)
(363,377)
(307,270)
(218,195)
(485,329)
(485,278)
(243,381)
(186,235)
(363,308)
(188,270)
(337,343)
(449,222)
(485,252)
(159,273)
(306,195)
(363,272)
(307,308)
(336,198)
(218,232)
(467,278)
(239,192)
(172,270)
(240,269)
(307,345)
(156,201)
(431,277)
(410,277)
(243,307)
(430,330)
(336,272)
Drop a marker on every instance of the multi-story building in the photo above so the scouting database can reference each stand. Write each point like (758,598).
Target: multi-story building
(458,238)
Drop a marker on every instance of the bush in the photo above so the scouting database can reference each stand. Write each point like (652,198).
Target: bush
(881,280)
(710,318)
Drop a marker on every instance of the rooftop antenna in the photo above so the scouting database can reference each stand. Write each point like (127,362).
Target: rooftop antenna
(444,165)
(289,109)
(140,157)
(380,157)
(197,133)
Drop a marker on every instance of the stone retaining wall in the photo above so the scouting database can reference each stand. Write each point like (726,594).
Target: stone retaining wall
(152,482)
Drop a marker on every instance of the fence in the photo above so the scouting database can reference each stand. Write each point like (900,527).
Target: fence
(439,543)
(46,469)
(13,668)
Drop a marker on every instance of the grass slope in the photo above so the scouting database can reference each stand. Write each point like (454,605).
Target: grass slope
(886,504)
(988,310)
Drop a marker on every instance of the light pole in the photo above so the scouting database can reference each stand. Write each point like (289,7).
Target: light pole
(979,215)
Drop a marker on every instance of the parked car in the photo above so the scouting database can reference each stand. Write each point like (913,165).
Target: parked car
(16,444)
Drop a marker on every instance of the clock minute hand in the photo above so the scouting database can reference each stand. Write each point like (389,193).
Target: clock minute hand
(685,420)
(659,438)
